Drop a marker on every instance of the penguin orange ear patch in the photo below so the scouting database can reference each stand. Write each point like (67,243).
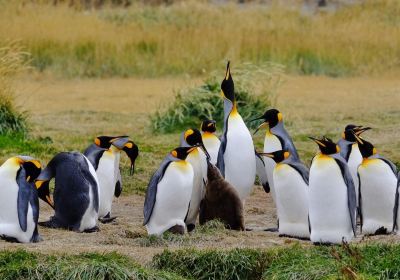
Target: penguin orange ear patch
(188,133)
(174,153)
(129,145)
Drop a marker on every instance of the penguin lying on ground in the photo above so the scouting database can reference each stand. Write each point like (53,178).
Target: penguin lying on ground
(198,159)
(104,155)
(332,198)
(168,194)
(19,204)
(210,140)
(221,201)
(291,190)
(378,185)
(76,193)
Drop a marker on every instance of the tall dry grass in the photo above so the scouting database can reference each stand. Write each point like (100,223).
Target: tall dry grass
(194,37)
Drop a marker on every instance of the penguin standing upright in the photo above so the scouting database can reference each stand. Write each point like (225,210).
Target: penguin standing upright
(236,158)
(168,194)
(76,192)
(19,204)
(378,185)
(350,152)
(210,140)
(198,159)
(332,201)
(291,190)
(276,139)
(104,155)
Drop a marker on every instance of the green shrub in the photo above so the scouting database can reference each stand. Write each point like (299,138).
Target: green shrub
(255,90)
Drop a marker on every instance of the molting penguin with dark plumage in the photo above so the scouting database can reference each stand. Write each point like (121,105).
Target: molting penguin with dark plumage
(378,185)
(221,201)
(104,155)
(332,198)
(198,159)
(210,140)
(19,204)
(236,157)
(76,192)
(168,194)
(291,190)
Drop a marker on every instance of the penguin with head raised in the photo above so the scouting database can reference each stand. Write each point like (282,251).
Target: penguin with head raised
(19,204)
(236,158)
(291,194)
(221,201)
(168,194)
(332,198)
(350,151)
(198,159)
(104,155)
(76,192)
(378,187)
(276,139)
(210,140)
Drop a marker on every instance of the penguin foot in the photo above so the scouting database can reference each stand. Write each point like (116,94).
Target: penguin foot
(381,231)
(91,230)
(107,220)
(271,229)
(177,229)
(190,227)
(323,243)
(36,238)
(295,237)
(9,239)
(248,229)
(49,224)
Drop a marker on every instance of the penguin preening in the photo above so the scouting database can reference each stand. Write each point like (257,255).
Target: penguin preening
(19,204)
(378,191)
(168,194)
(350,151)
(236,158)
(104,155)
(332,201)
(76,192)
(210,140)
(291,190)
(276,139)
(221,201)
(198,159)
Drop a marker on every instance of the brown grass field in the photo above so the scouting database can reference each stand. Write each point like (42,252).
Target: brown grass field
(73,112)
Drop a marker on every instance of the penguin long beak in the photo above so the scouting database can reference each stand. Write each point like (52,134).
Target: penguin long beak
(270,155)
(318,141)
(256,119)
(205,151)
(359,130)
(358,138)
(264,124)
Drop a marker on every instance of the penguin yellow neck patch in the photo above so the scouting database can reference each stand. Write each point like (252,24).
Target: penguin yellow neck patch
(234,112)
(182,165)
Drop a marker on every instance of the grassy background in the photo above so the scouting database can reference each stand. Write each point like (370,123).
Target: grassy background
(193,37)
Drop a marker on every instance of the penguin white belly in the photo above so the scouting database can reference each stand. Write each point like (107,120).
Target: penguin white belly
(9,222)
(172,199)
(212,143)
(354,162)
(195,159)
(378,191)
(271,144)
(328,202)
(106,176)
(239,157)
(291,201)
(89,219)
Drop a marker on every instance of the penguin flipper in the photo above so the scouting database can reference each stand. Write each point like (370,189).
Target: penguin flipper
(93,154)
(302,169)
(151,191)
(396,205)
(388,162)
(286,140)
(118,189)
(261,173)
(24,195)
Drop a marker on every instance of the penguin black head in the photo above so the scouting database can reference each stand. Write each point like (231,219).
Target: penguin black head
(350,128)
(326,145)
(105,141)
(227,85)
(31,166)
(182,152)
(366,148)
(277,156)
(208,126)
(193,137)
(271,118)
(42,184)
(129,147)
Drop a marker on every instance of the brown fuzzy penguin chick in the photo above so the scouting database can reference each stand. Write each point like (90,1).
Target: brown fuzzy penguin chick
(221,201)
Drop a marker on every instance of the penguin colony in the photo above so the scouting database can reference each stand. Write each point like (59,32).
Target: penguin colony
(207,177)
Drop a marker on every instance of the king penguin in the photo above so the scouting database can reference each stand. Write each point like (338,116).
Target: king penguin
(104,155)
(198,159)
(350,152)
(276,139)
(168,194)
(378,185)
(236,157)
(210,140)
(76,192)
(332,198)
(19,204)
(291,190)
